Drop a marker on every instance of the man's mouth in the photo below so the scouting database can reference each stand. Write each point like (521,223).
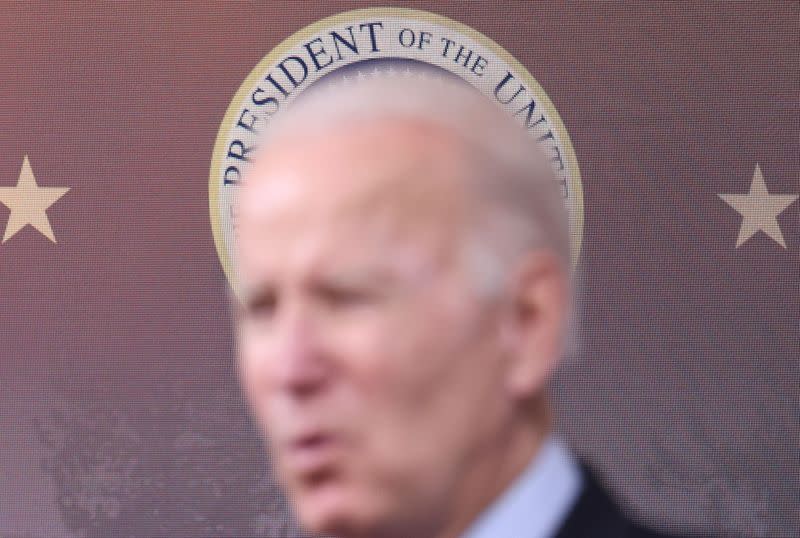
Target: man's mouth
(310,453)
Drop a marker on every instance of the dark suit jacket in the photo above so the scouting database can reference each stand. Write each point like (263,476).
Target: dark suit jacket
(596,516)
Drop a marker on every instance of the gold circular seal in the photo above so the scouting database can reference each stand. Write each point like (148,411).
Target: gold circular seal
(381,42)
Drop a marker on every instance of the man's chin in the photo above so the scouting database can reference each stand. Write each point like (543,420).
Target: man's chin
(332,509)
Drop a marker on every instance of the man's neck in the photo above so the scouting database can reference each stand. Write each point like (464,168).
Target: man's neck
(492,473)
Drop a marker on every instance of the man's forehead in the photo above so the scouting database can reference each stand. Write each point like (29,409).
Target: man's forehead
(372,168)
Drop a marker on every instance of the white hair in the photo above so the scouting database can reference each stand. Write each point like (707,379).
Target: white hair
(518,199)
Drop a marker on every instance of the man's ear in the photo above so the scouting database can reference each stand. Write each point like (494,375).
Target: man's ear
(537,320)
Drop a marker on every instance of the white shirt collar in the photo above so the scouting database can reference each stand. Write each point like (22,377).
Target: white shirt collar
(536,504)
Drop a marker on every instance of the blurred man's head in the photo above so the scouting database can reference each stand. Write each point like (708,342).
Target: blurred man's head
(404,264)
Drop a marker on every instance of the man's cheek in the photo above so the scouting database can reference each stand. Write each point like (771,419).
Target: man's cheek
(363,334)
(248,372)
(255,381)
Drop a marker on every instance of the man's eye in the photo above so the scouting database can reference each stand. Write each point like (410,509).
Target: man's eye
(262,305)
(340,296)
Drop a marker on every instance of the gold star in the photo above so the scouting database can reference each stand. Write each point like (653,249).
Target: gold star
(28,202)
(759,210)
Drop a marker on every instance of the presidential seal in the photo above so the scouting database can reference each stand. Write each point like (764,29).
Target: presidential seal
(381,42)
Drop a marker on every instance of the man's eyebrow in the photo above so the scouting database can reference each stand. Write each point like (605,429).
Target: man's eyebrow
(251,295)
(373,276)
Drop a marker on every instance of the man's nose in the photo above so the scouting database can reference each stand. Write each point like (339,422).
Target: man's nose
(301,363)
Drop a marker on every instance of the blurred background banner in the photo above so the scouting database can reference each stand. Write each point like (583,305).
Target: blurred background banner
(679,127)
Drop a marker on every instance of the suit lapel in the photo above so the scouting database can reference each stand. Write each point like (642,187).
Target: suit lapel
(594,514)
